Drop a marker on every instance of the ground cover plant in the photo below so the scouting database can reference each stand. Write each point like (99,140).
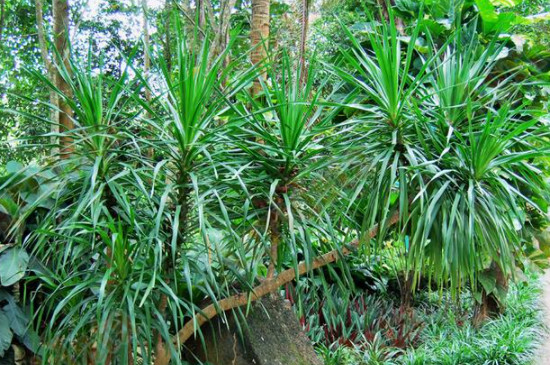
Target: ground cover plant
(447,336)
(391,183)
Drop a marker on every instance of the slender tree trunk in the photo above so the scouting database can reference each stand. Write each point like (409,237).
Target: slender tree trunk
(202,14)
(191,20)
(201,18)
(303,39)
(259,37)
(49,69)
(275,238)
(42,37)
(2,17)
(61,41)
(222,33)
(221,39)
(210,18)
(166,50)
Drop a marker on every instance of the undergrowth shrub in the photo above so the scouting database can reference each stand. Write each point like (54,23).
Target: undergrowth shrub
(437,331)
(363,322)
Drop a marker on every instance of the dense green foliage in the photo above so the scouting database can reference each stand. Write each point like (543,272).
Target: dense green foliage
(417,142)
(447,337)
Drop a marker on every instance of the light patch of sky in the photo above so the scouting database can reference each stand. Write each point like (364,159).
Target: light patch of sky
(131,24)
(129,27)
(95,5)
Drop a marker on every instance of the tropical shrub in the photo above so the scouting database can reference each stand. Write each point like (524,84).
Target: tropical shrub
(451,149)
(182,196)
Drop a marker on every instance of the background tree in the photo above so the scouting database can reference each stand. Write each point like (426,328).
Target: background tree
(259,37)
(44,51)
(60,10)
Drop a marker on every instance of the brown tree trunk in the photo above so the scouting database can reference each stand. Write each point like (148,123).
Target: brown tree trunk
(201,14)
(259,37)
(49,69)
(303,40)
(222,32)
(41,37)
(407,293)
(166,50)
(272,336)
(61,41)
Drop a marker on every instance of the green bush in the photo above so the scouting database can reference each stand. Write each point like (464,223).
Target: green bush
(449,338)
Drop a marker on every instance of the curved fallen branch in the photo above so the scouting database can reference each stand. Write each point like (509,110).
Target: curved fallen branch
(266,287)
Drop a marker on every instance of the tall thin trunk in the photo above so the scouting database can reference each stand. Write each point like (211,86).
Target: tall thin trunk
(61,41)
(227,59)
(190,22)
(221,39)
(201,17)
(2,17)
(41,37)
(303,39)
(202,14)
(49,69)
(166,50)
(259,37)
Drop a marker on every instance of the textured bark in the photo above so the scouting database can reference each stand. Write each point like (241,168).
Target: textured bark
(271,335)
(275,237)
(201,9)
(61,41)
(49,68)
(39,8)
(303,39)
(221,38)
(259,37)
(266,287)
(167,50)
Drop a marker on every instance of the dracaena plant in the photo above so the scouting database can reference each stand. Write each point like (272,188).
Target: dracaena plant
(484,148)
(411,125)
(282,139)
(95,259)
(380,139)
(461,80)
(197,192)
(472,210)
(128,249)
